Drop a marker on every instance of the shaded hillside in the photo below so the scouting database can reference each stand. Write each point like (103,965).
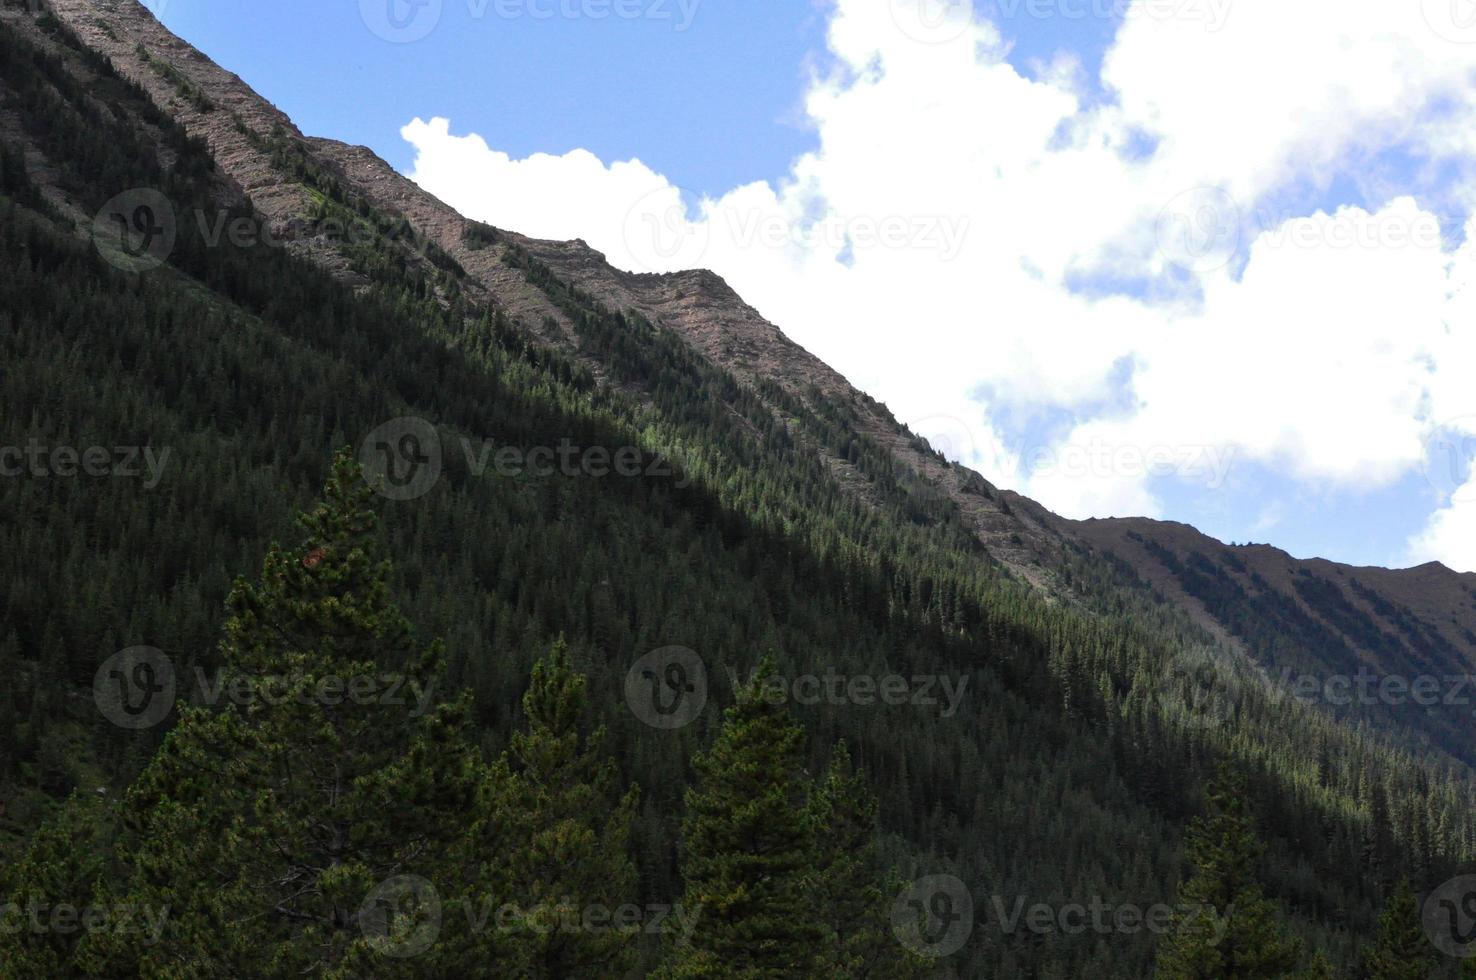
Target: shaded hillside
(775,510)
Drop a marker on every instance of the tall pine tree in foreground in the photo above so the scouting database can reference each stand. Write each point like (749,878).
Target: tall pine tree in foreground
(1230,930)
(1401,951)
(266,825)
(748,851)
(570,861)
(853,905)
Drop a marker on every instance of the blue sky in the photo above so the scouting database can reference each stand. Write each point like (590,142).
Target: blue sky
(714,106)
(1071,151)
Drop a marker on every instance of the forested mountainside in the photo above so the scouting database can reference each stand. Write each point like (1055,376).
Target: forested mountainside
(1064,713)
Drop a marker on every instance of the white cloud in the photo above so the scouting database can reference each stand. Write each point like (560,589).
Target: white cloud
(928,247)
(1450,536)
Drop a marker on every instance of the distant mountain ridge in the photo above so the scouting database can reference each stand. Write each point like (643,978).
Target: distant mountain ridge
(1335,618)
(1110,666)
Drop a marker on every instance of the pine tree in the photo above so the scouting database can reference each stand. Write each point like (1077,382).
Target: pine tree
(1401,951)
(64,867)
(848,896)
(748,848)
(266,827)
(1230,931)
(570,868)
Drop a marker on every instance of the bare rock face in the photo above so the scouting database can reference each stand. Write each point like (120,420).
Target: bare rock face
(1420,609)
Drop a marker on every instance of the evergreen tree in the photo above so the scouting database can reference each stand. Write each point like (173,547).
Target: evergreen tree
(266,827)
(848,896)
(1230,929)
(748,847)
(63,872)
(1401,951)
(570,868)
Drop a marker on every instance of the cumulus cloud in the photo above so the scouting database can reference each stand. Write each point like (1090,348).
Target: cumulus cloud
(977,247)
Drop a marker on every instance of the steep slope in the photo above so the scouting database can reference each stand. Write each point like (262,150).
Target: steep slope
(1316,622)
(812,526)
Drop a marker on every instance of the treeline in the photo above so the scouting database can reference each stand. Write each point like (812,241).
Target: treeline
(1068,771)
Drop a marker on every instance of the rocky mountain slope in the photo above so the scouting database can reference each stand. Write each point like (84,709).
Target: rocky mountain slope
(1309,615)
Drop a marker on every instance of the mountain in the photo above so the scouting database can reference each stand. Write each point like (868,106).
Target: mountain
(1110,665)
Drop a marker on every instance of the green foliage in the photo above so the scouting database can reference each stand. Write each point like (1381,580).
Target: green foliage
(1068,771)
(265,825)
(1227,929)
(747,848)
(851,901)
(572,859)
(1402,950)
(63,874)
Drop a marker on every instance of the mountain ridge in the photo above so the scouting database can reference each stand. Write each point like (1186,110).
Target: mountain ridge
(1024,537)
